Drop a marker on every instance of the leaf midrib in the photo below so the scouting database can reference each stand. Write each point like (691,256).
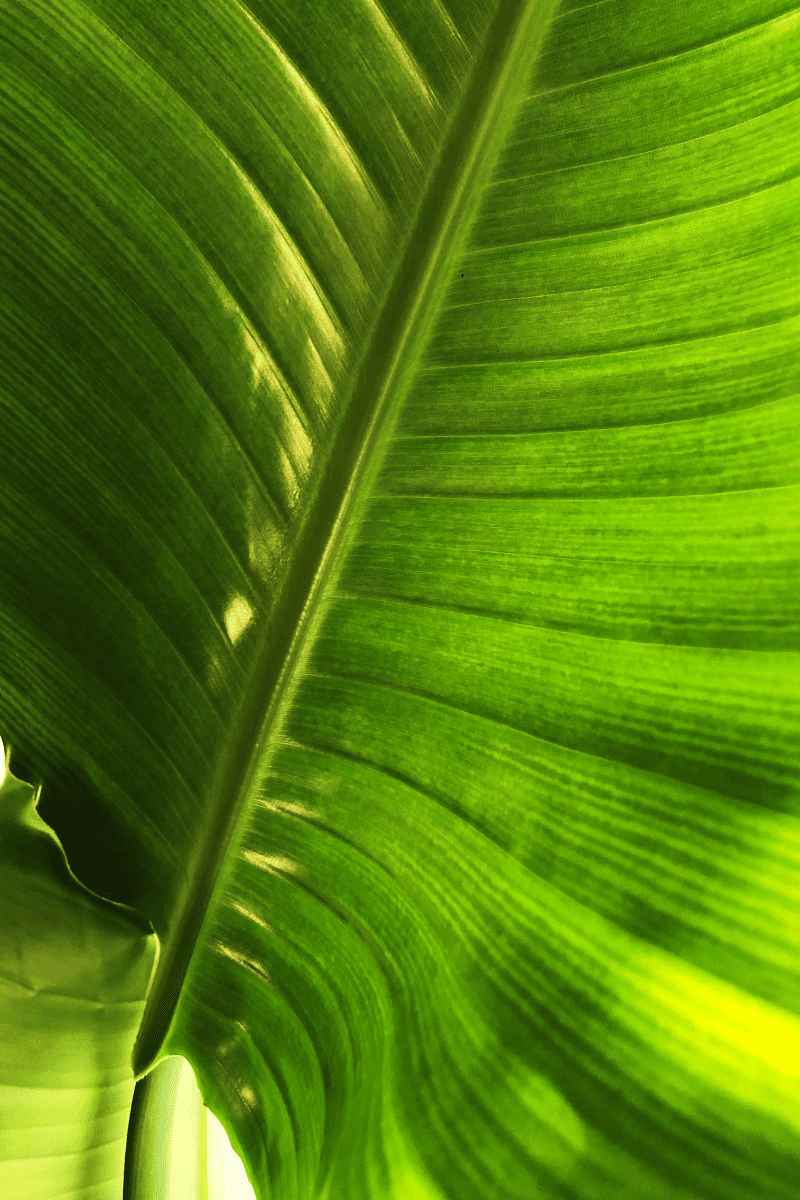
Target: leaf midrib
(469,151)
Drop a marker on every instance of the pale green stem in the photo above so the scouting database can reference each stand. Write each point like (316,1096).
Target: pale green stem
(167,1144)
(177,1150)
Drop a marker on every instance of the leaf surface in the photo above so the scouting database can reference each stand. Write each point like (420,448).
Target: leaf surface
(400,571)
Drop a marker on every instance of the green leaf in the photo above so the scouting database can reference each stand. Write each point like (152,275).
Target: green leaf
(399,575)
(72,987)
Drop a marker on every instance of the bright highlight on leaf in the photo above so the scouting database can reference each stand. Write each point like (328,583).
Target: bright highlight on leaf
(238,616)
(399,512)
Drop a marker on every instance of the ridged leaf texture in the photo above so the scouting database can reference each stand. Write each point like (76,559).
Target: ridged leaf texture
(399,590)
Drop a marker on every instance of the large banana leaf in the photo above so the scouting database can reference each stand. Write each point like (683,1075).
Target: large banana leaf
(399,585)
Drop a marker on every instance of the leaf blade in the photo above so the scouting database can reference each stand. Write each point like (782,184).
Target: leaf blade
(456,967)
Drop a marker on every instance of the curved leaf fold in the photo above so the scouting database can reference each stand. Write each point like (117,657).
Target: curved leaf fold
(75,971)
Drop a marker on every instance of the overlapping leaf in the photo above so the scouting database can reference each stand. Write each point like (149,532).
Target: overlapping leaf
(74,975)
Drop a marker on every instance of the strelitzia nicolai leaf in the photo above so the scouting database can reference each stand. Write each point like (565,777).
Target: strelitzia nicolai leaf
(400,573)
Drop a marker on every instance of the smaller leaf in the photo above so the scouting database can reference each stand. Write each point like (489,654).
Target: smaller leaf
(74,971)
